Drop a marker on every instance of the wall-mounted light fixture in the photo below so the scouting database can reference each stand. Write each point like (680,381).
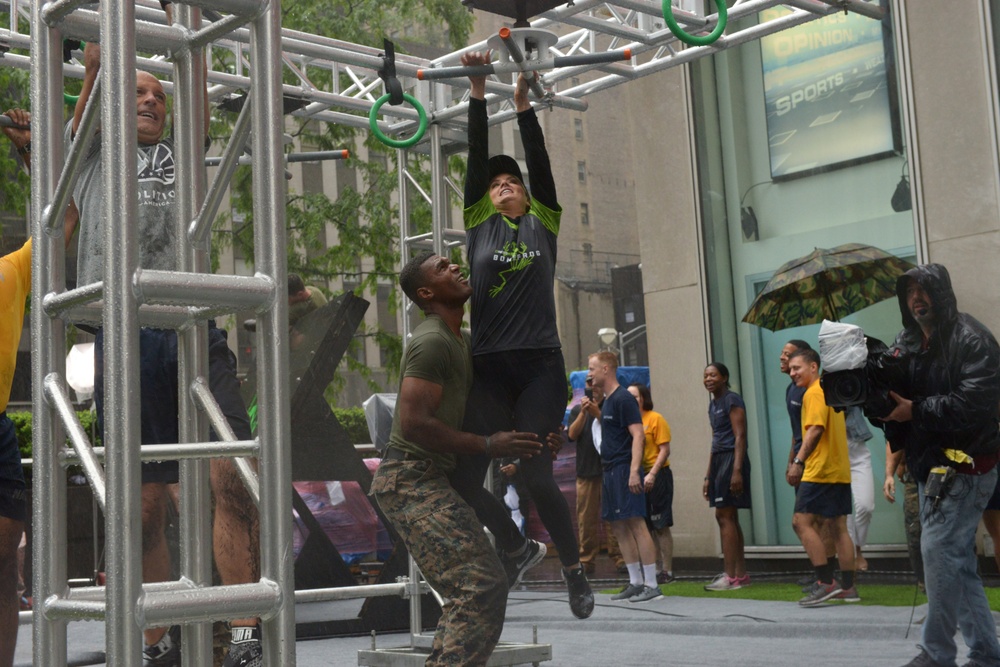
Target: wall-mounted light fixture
(901,200)
(748,219)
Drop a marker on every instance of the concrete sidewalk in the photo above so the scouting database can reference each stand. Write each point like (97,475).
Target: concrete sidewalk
(676,631)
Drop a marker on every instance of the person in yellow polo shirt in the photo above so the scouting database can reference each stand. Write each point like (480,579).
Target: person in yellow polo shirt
(822,469)
(658,482)
(15,283)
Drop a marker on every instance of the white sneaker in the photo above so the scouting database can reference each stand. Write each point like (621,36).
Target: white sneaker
(648,593)
(723,582)
(629,591)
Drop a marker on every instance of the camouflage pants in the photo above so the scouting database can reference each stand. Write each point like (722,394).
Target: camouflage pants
(456,558)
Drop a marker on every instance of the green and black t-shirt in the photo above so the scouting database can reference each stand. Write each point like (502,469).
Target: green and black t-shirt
(512,261)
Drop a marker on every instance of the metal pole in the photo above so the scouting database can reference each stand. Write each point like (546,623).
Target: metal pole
(514,51)
(121,332)
(439,196)
(47,341)
(274,431)
(192,344)
(404,233)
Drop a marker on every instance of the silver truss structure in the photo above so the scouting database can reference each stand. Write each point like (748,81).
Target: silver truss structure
(584,27)
(247,34)
(183,300)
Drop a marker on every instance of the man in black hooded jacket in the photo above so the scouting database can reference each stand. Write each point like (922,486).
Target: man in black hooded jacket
(948,419)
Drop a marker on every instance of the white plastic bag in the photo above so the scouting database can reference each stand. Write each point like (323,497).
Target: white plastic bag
(378,413)
(841,346)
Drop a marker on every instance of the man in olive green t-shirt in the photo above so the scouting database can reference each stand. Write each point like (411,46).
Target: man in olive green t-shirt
(411,485)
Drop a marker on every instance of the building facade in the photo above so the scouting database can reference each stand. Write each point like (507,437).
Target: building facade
(757,127)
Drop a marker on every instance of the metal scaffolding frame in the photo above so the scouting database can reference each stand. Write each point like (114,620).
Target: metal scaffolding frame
(354,85)
(261,53)
(182,300)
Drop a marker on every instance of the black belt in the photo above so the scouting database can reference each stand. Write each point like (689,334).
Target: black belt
(393,454)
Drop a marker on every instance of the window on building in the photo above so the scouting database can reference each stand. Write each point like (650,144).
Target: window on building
(581,171)
(496,138)
(346,176)
(239,222)
(578,128)
(386,320)
(356,349)
(312,177)
(519,153)
(584,214)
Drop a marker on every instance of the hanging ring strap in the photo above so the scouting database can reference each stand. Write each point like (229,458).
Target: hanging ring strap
(696,40)
(398,143)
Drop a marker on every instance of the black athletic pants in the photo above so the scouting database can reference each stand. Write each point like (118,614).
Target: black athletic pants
(522,390)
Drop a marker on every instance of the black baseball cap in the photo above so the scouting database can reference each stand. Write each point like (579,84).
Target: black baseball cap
(504,164)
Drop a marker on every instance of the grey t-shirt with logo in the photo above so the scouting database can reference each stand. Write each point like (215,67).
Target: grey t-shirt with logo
(157,234)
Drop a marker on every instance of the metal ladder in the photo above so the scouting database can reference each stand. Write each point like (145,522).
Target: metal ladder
(182,300)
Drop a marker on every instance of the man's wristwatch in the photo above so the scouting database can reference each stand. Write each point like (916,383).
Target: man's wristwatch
(799,462)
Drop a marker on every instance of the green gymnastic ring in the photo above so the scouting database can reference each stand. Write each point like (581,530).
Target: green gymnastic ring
(694,40)
(398,143)
(70,100)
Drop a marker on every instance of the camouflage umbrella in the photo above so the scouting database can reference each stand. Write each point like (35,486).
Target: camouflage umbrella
(826,284)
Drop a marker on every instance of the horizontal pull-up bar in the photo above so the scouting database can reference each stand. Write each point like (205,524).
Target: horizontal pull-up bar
(514,51)
(216,603)
(204,289)
(314,156)
(85,24)
(177,451)
(544,64)
(5,121)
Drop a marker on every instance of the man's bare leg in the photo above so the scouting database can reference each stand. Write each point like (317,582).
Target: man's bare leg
(665,542)
(809,530)
(236,530)
(626,541)
(10,536)
(645,546)
(845,547)
(155,554)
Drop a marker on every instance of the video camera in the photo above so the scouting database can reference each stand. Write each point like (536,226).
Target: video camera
(875,370)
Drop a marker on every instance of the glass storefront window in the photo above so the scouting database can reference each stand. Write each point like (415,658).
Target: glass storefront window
(777,180)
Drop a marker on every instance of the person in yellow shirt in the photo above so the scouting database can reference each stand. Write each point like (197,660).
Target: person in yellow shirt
(15,283)
(658,481)
(822,469)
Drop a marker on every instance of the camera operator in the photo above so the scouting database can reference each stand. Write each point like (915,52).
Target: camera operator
(950,436)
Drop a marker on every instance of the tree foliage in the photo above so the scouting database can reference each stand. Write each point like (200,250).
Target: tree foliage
(15,187)
(366,21)
(365,252)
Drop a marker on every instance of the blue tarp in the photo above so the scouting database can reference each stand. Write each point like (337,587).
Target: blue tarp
(626,375)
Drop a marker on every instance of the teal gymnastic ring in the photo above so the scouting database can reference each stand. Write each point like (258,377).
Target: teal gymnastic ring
(694,40)
(70,100)
(398,143)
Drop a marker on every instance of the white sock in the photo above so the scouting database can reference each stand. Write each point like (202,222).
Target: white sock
(649,574)
(634,573)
